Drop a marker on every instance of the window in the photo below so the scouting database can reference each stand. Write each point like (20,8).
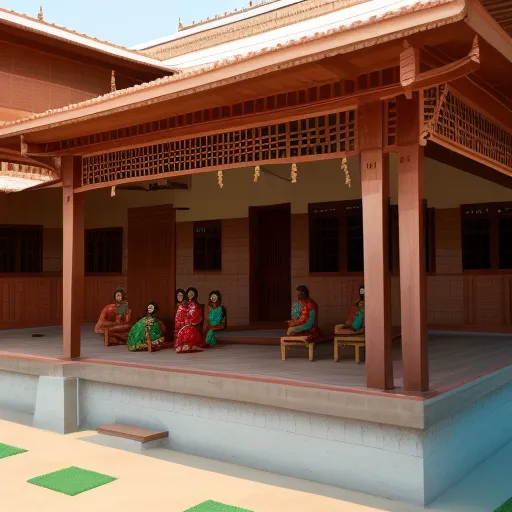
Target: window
(486,236)
(21,249)
(208,245)
(336,237)
(104,251)
(430,239)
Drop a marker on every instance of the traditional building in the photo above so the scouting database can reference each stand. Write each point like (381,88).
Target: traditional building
(318,143)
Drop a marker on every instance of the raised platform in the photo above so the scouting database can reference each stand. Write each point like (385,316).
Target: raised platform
(242,404)
(454,358)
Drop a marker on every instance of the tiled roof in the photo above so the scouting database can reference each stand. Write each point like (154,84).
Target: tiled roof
(32,24)
(218,21)
(411,8)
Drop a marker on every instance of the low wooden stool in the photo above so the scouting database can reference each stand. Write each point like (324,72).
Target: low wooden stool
(350,340)
(301,341)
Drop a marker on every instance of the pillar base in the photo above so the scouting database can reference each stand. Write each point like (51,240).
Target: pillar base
(57,405)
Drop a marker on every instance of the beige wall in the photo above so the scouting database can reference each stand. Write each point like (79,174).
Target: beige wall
(445,187)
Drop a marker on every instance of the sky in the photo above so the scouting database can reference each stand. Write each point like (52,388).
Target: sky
(124,22)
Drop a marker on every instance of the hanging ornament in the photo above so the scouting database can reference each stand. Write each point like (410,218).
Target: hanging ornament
(344,168)
(113,191)
(294,173)
(113,81)
(219,179)
(256,174)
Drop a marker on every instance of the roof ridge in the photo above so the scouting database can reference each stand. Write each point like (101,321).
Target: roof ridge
(71,31)
(226,14)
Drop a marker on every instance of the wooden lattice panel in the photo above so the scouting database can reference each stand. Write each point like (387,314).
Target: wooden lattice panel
(390,127)
(448,118)
(331,134)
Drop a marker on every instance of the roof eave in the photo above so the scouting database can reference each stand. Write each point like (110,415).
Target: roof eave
(488,28)
(90,44)
(237,69)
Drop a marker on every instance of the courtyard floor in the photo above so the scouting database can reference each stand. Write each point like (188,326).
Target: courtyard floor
(168,481)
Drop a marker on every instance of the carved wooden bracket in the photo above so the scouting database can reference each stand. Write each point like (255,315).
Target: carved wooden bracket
(411,79)
(23,146)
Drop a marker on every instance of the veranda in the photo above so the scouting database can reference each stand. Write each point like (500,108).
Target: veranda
(256,241)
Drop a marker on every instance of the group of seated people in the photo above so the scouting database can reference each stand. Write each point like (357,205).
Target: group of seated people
(193,329)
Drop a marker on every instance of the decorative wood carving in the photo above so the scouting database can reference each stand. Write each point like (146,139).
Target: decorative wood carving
(314,138)
(451,120)
(410,77)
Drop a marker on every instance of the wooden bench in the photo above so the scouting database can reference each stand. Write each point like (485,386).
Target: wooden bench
(141,435)
(356,340)
(301,341)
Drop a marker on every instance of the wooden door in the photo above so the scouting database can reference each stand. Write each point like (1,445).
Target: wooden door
(151,272)
(270,236)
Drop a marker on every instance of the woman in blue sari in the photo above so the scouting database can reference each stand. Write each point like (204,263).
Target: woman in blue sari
(215,318)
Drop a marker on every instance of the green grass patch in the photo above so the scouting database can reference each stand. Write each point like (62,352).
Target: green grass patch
(71,481)
(8,451)
(214,506)
(506,507)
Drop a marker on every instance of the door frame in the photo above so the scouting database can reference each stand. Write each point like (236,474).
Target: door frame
(254,212)
(148,214)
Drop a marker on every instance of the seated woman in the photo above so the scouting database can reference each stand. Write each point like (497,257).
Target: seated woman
(115,318)
(179,300)
(215,317)
(355,319)
(189,325)
(147,330)
(304,320)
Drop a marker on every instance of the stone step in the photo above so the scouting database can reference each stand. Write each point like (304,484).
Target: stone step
(141,435)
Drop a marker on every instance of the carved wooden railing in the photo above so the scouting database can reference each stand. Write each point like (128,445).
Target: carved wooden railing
(450,120)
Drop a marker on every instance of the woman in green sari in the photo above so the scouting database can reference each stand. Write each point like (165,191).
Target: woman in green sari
(147,329)
(216,318)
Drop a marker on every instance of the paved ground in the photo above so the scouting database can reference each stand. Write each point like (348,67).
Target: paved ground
(144,483)
(173,482)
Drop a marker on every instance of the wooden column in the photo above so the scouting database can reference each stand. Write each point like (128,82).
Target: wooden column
(412,246)
(375,196)
(73,257)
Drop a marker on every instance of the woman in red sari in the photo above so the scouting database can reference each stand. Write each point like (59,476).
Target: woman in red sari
(189,325)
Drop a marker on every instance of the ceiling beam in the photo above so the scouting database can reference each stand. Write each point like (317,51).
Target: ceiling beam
(445,156)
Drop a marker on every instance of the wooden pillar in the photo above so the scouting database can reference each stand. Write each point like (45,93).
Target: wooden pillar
(73,257)
(412,246)
(375,196)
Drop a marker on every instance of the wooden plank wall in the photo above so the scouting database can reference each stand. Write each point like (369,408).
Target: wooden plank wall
(37,301)
(34,81)
(455,300)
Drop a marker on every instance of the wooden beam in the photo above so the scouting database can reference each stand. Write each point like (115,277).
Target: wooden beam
(413,295)
(73,258)
(375,197)
(411,78)
(445,156)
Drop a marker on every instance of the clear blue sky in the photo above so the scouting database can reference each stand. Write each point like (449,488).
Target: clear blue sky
(124,22)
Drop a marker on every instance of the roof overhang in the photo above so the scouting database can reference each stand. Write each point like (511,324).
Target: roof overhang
(394,25)
(19,172)
(75,41)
